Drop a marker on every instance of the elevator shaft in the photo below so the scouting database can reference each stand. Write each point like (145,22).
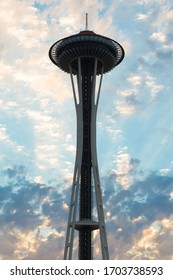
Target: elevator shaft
(85,246)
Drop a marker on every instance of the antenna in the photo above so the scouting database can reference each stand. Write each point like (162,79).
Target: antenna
(86,25)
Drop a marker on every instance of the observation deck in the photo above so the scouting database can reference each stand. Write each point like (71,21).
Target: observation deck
(86,44)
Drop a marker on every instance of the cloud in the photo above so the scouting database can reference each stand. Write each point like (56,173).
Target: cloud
(3,134)
(128,101)
(158,36)
(134,80)
(138,217)
(8,144)
(33,214)
(26,62)
(50,249)
(164,171)
(141,16)
(124,109)
(125,166)
(154,242)
(154,87)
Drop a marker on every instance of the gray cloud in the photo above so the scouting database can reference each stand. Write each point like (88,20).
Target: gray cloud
(21,201)
(136,209)
(142,197)
(28,207)
(131,212)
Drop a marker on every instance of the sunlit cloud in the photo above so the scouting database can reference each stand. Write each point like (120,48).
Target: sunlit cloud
(141,16)
(124,108)
(134,80)
(164,171)
(125,166)
(158,37)
(150,244)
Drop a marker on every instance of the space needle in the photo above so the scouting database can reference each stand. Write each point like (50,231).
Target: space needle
(86,56)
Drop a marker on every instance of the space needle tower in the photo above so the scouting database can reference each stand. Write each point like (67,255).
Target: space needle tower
(86,56)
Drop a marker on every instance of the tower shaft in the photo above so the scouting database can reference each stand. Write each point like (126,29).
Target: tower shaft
(86,182)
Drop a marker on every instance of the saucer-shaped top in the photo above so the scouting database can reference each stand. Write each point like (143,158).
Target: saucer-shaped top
(86,44)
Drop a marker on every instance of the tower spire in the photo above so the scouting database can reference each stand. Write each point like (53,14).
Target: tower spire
(86,24)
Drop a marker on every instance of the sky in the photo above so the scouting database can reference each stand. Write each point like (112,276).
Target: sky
(38,128)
